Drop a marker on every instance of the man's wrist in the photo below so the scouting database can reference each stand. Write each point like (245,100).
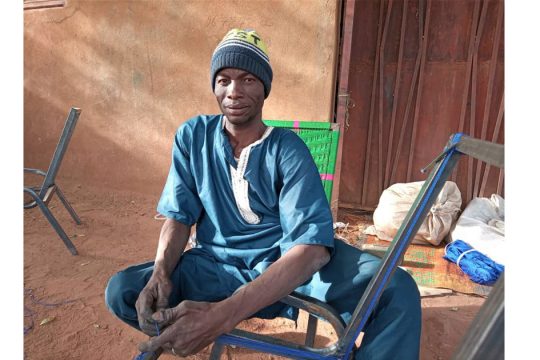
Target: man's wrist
(233,316)
(160,270)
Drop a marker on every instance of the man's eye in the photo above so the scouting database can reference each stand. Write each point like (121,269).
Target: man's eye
(223,81)
(249,80)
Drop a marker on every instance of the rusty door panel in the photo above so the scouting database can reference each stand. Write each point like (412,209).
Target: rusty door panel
(419,71)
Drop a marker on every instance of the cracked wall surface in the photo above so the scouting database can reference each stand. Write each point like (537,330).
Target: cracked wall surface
(139,69)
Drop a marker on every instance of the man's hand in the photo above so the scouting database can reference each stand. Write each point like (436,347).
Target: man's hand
(191,326)
(153,298)
(155,295)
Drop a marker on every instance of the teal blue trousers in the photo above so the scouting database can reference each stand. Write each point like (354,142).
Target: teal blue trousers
(392,332)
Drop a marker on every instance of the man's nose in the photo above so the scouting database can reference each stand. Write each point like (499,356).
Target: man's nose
(234,90)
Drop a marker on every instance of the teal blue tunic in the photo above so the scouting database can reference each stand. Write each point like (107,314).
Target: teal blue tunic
(285,193)
(284,190)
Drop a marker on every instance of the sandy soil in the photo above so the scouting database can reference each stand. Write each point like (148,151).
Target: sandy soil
(118,230)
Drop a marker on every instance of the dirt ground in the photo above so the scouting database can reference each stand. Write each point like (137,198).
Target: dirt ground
(119,229)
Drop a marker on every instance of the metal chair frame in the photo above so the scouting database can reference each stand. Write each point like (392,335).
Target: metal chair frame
(43,194)
(344,347)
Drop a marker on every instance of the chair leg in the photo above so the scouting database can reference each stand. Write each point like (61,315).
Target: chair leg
(56,225)
(68,206)
(217,349)
(311,330)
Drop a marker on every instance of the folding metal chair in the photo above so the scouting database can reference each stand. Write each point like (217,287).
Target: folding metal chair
(43,194)
(344,347)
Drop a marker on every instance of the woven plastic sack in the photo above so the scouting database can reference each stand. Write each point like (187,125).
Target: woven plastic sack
(482,226)
(397,200)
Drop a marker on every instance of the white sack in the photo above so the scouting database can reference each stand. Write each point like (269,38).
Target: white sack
(397,200)
(482,226)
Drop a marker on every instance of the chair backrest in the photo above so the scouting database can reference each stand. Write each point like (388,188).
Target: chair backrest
(321,139)
(61,148)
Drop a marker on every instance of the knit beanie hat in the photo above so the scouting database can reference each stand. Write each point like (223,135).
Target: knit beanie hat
(245,50)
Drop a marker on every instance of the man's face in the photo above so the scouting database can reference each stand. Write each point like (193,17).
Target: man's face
(240,95)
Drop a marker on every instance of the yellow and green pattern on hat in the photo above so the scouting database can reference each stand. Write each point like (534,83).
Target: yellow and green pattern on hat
(248,38)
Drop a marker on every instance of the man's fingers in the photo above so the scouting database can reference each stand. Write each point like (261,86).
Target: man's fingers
(165,317)
(183,308)
(144,313)
(170,315)
(154,343)
(163,297)
(144,304)
(150,327)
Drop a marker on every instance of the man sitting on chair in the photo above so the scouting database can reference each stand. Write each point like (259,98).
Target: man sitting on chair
(264,230)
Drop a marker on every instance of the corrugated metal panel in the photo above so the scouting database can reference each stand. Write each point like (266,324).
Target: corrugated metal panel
(419,71)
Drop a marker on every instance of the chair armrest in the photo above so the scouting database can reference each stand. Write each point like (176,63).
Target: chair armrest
(35,171)
(317,308)
(266,343)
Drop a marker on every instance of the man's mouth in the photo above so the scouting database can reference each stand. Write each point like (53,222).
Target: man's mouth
(236,109)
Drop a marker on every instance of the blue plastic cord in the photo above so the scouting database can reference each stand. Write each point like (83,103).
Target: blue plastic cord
(478,266)
(157,327)
(28,312)
(143,354)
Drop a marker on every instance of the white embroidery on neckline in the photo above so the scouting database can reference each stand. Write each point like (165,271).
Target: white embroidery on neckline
(240,185)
